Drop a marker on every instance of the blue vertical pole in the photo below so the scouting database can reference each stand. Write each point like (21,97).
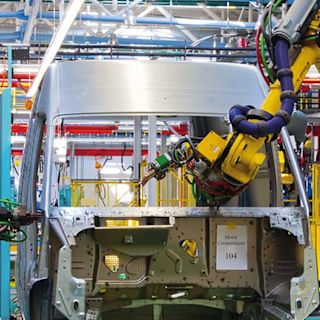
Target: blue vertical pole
(9,52)
(5,160)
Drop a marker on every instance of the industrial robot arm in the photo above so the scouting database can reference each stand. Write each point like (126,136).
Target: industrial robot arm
(223,167)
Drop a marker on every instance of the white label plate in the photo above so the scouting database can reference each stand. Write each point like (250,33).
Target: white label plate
(232,247)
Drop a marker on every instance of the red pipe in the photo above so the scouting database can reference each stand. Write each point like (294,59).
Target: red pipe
(20,76)
(92,152)
(19,128)
(70,129)
(311,81)
(105,152)
(182,129)
(85,129)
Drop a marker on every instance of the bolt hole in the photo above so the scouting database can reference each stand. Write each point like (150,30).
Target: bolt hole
(75,305)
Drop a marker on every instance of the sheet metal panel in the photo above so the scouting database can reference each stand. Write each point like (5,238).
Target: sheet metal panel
(149,87)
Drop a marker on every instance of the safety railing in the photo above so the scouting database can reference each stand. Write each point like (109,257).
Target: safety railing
(106,193)
(309,101)
(315,218)
(174,190)
(18,98)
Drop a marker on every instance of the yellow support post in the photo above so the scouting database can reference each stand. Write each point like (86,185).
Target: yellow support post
(315,220)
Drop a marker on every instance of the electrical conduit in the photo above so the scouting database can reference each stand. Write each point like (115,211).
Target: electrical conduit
(271,124)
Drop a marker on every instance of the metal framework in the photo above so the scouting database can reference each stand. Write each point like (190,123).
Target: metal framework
(132,22)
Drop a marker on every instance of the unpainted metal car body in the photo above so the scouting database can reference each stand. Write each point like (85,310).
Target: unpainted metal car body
(66,278)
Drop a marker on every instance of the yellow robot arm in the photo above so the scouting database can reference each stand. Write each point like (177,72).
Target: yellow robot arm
(244,160)
(222,168)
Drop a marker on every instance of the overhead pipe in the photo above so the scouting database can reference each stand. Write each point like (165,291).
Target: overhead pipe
(118,54)
(13,36)
(154,54)
(11,14)
(144,20)
(173,44)
(68,55)
(137,47)
(10,36)
(122,41)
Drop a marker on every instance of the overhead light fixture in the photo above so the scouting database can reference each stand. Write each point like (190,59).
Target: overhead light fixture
(55,44)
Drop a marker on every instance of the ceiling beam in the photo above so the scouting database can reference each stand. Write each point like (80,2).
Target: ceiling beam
(31,21)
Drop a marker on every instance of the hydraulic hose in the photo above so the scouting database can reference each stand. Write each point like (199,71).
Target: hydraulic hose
(269,124)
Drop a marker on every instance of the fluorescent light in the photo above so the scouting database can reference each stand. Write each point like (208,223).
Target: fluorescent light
(110,171)
(18,139)
(55,44)
(18,111)
(26,68)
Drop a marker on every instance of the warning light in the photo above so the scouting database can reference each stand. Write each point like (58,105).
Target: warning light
(28,104)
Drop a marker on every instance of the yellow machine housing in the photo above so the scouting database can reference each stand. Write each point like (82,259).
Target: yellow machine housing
(212,146)
(286,178)
(243,162)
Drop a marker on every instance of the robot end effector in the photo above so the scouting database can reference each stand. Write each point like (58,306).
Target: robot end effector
(12,217)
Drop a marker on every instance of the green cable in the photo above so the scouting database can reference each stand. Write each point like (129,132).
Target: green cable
(194,194)
(264,60)
(20,240)
(193,189)
(10,205)
(262,44)
(205,195)
(6,223)
(276,5)
(175,156)
(10,236)
(310,38)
